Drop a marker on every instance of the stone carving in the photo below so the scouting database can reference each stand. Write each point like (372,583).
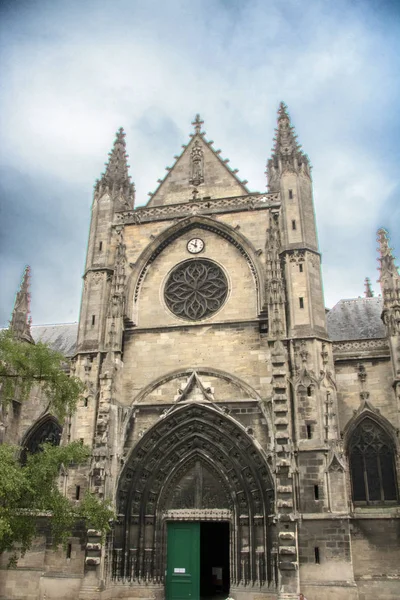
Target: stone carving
(361,346)
(313,259)
(274,286)
(116,179)
(197,487)
(21,321)
(194,444)
(297,256)
(194,381)
(392,321)
(287,154)
(205,207)
(196,165)
(196,289)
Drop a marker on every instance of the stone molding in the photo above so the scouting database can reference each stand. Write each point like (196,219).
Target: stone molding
(346,349)
(201,207)
(198,514)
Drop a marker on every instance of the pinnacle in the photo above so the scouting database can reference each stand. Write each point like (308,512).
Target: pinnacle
(20,321)
(285,137)
(117,166)
(389,275)
(287,154)
(116,176)
(368,292)
(387,258)
(283,111)
(383,239)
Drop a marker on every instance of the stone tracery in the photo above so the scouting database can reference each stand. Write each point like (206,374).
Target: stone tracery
(193,441)
(196,289)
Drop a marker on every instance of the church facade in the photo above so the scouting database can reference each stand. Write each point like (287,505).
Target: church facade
(247,438)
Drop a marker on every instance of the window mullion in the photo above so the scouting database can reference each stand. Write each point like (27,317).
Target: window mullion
(378,458)
(365,478)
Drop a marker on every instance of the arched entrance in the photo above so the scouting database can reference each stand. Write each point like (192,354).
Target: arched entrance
(197,464)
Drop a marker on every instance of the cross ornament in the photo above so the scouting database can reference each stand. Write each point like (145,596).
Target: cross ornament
(197,123)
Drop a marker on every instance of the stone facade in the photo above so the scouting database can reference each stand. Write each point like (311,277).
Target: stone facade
(217,390)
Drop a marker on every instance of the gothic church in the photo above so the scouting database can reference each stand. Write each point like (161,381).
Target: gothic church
(247,437)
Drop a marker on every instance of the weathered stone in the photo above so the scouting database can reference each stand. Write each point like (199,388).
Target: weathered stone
(216,393)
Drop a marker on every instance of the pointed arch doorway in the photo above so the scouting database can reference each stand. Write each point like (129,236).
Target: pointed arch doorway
(197,465)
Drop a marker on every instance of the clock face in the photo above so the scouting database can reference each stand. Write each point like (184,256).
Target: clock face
(195,245)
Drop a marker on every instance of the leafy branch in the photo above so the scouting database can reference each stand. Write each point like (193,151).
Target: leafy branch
(24,365)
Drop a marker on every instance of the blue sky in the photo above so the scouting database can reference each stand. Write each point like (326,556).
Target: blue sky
(74,72)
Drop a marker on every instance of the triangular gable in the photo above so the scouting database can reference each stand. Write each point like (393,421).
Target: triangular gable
(198,172)
(194,391)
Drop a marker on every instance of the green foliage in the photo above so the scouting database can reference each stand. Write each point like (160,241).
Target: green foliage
(31,491)
(27,492)
(24,365)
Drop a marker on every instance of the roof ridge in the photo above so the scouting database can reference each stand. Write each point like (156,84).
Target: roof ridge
(55,324)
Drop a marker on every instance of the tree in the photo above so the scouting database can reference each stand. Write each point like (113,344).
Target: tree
(24,365)
(30,490)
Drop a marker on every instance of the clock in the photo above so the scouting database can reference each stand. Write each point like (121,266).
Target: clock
(195,245)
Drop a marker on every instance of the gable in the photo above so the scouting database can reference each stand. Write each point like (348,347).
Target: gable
(198,172)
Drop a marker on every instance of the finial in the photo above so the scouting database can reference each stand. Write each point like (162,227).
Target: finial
(197,123)
(283,111)
(20,321)
(368,292)
(116,176)
(383,239)
(387,257)
(287,154)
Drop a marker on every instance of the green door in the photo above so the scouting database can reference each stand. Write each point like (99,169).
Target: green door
(183,561)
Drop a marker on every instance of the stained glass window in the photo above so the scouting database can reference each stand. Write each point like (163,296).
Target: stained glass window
(372,464)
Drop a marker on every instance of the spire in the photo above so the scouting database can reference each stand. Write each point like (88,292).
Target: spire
(197,123)
(389,274)
(287,155)
(285,137)
(20,323)
(116,177)
(368,292)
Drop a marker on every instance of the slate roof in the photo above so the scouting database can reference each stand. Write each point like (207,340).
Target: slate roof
(61,337)
(356,319)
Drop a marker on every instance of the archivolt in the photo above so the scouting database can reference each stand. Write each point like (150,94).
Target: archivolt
(211,372)
(203,433)
(168,443)
(175,231)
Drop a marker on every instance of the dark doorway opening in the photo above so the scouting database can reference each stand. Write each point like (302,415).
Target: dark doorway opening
(214,560)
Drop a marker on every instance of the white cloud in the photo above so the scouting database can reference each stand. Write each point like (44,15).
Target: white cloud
(78,72)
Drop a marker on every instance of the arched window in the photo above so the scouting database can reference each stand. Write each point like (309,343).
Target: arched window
(47,431)
(372,464)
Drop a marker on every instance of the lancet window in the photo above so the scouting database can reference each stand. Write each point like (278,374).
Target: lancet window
(372,465)
(48,431)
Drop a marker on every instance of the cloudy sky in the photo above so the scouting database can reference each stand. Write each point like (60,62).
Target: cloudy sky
(73,72)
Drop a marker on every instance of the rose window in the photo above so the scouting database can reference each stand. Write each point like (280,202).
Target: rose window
(196,289)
